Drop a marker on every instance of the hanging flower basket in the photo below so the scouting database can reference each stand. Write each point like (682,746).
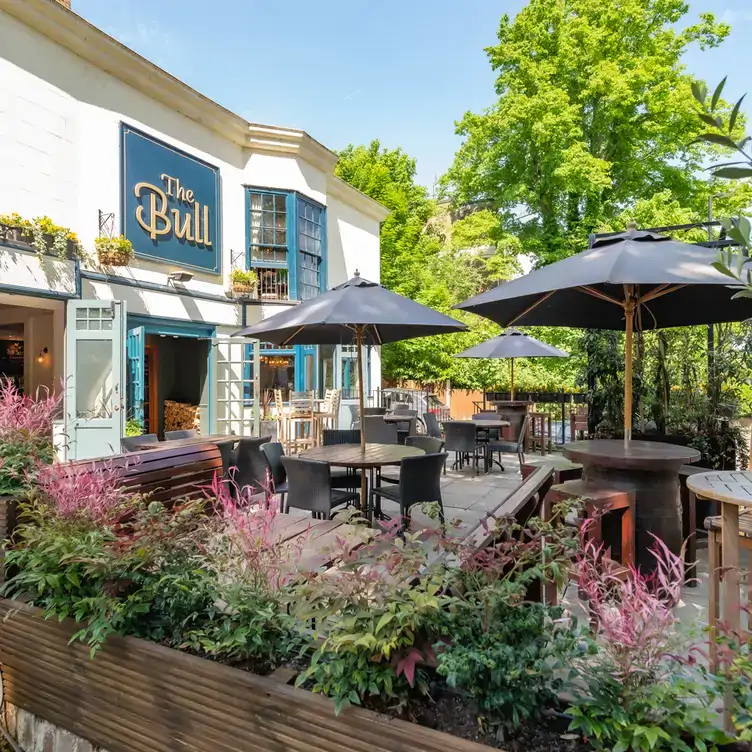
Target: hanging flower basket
(117,251)
(244,282)
(243,290)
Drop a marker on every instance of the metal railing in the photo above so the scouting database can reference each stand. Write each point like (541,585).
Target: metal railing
(273,284)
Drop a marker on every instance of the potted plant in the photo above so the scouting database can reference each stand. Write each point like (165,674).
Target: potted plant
(243,282)
(42,234)
(117,251)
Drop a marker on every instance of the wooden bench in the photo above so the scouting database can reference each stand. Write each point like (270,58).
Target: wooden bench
(166,473)
(520,505)
(714,527)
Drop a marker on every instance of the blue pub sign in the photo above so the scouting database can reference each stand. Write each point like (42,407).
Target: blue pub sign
(170,203)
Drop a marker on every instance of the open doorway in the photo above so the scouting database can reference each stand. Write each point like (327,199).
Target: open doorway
(175,383)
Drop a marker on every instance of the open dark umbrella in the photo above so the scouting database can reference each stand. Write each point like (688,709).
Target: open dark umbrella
(358,311)
(512,344)
(627,279)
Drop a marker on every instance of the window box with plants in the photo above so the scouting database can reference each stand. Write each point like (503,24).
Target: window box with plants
(40,234)
(244,283)
(116,251)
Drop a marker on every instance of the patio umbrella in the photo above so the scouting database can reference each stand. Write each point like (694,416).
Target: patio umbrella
(356,311)
(512,344)
(626,279)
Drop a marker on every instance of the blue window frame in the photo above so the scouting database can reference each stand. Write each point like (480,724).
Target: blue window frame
(310,249)
(267,214)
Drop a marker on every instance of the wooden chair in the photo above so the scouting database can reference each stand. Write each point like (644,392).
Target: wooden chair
(301,422)
(578,423)
(282,412)
(714,527)
(540,432)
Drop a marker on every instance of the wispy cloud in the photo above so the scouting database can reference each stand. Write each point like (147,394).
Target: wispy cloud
(736,16)
(351,95)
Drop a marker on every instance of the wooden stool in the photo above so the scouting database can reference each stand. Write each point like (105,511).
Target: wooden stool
(714,527)
(578,422)
(598,500)
(564,469)
(689,522)
(540,432)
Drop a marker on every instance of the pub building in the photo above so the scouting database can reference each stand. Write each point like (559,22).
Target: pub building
(106,144)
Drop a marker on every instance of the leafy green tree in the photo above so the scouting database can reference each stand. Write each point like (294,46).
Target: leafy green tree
(388,176)
(594,110)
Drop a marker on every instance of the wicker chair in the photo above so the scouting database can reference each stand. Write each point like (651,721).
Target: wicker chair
(378,431)
(310,487)
(274,451)
(432,425)
(510,447)
(186,433)
(419,482)
(427,443)
(461,439)
(342,477)
(252,467)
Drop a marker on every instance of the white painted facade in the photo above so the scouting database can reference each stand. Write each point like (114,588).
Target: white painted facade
(65,89)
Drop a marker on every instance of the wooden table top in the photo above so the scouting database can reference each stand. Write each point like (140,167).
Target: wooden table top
(730,487)
(193,440)
(484,424)
(351,455)
(634,455)
(398,418)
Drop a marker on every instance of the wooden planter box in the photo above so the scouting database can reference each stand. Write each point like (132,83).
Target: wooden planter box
(20,238)
(136,696)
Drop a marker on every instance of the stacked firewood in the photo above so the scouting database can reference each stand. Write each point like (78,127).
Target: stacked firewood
(181,416)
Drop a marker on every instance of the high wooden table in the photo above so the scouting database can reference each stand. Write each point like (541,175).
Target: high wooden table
(515,411)
(650,471)
(351,455)
(732,490)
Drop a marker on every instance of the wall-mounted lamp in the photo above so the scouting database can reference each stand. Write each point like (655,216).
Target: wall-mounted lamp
(179,277)
(42,355)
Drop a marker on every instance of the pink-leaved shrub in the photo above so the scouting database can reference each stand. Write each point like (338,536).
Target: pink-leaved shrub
(87,490)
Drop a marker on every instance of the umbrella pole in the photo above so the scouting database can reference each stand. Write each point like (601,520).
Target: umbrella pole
(629,313)
(361,388)
(511,380)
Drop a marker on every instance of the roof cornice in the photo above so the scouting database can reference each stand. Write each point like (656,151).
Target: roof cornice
(68,29)
(339,189)
(278,139)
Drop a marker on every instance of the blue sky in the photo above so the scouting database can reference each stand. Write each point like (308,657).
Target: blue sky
(401,71)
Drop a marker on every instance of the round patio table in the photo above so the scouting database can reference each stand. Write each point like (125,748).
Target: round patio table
(650,471)
(351,455)
(733,490)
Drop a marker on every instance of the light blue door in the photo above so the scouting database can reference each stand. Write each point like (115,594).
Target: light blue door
(95,404)
(135,351)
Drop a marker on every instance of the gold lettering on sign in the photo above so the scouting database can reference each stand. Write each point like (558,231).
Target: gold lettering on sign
(155,214)
(207,242)
(185,230)
(155,220)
